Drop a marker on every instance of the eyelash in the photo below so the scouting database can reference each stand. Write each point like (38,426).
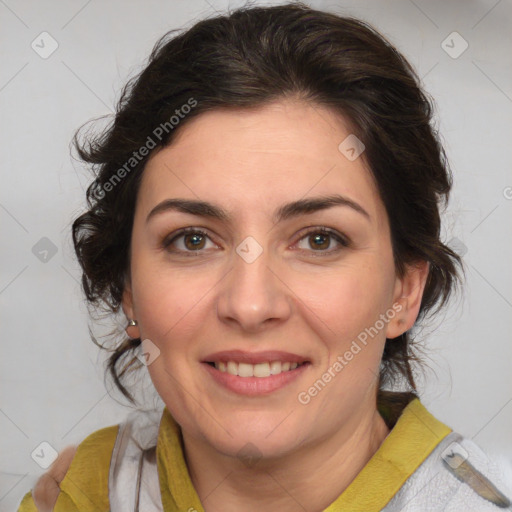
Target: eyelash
(317,230)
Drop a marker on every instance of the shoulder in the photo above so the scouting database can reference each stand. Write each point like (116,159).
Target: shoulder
(456,476)
(85,486)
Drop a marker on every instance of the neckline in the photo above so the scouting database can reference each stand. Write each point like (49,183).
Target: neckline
(413,436)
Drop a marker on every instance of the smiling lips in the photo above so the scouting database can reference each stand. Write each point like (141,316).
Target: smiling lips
(255,370)
(260,364)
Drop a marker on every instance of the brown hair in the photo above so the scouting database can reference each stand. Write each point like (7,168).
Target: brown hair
(246,59)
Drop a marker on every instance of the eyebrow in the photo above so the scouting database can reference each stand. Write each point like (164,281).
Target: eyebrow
(285,212)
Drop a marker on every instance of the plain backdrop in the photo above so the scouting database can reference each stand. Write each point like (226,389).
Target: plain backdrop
(52,387)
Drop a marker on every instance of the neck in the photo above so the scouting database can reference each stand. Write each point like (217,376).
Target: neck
(310,478)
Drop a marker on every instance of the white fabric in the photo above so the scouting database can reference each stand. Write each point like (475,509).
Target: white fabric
(434,488)
(133,476)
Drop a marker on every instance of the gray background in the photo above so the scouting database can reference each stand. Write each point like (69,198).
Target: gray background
(52,374)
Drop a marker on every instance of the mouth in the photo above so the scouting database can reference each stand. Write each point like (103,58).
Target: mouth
(260,370)
(259,373)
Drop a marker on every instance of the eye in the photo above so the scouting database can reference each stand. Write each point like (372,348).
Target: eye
(321,240)
(188,240)
(193,241)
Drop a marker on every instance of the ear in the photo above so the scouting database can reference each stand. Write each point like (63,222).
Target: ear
(407,298)
(128,309)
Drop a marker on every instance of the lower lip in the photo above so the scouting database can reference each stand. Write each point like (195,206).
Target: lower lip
(253,386)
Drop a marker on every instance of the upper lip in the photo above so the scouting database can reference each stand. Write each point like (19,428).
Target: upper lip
(239,356)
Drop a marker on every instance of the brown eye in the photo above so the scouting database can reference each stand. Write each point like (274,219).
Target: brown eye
(319,241)
(188,241)
(322,240)
(194,241)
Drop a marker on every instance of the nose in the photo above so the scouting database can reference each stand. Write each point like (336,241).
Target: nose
(253,296)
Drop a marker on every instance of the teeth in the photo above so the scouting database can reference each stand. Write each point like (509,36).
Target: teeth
(275,367)
(245,370)
(262,370)
(232,368)
(255,370)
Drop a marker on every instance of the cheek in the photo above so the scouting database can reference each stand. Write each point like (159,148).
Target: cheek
(170,306)
(347,301)
(167,303)
(161,296)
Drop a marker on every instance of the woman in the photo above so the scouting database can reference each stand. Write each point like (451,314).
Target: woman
(266,216)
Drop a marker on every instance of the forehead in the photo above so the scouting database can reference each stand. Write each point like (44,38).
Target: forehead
(249,158)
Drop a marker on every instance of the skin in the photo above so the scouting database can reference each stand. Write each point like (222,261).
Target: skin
(47,490)
(250,162)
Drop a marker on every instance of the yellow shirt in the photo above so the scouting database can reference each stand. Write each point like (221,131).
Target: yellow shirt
(85,486)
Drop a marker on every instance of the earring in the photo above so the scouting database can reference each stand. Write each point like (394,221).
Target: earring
(132,323)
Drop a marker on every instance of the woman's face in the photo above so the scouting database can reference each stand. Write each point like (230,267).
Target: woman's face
(268,273)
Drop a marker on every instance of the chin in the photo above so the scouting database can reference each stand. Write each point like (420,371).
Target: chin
(255,437)
(250,449)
